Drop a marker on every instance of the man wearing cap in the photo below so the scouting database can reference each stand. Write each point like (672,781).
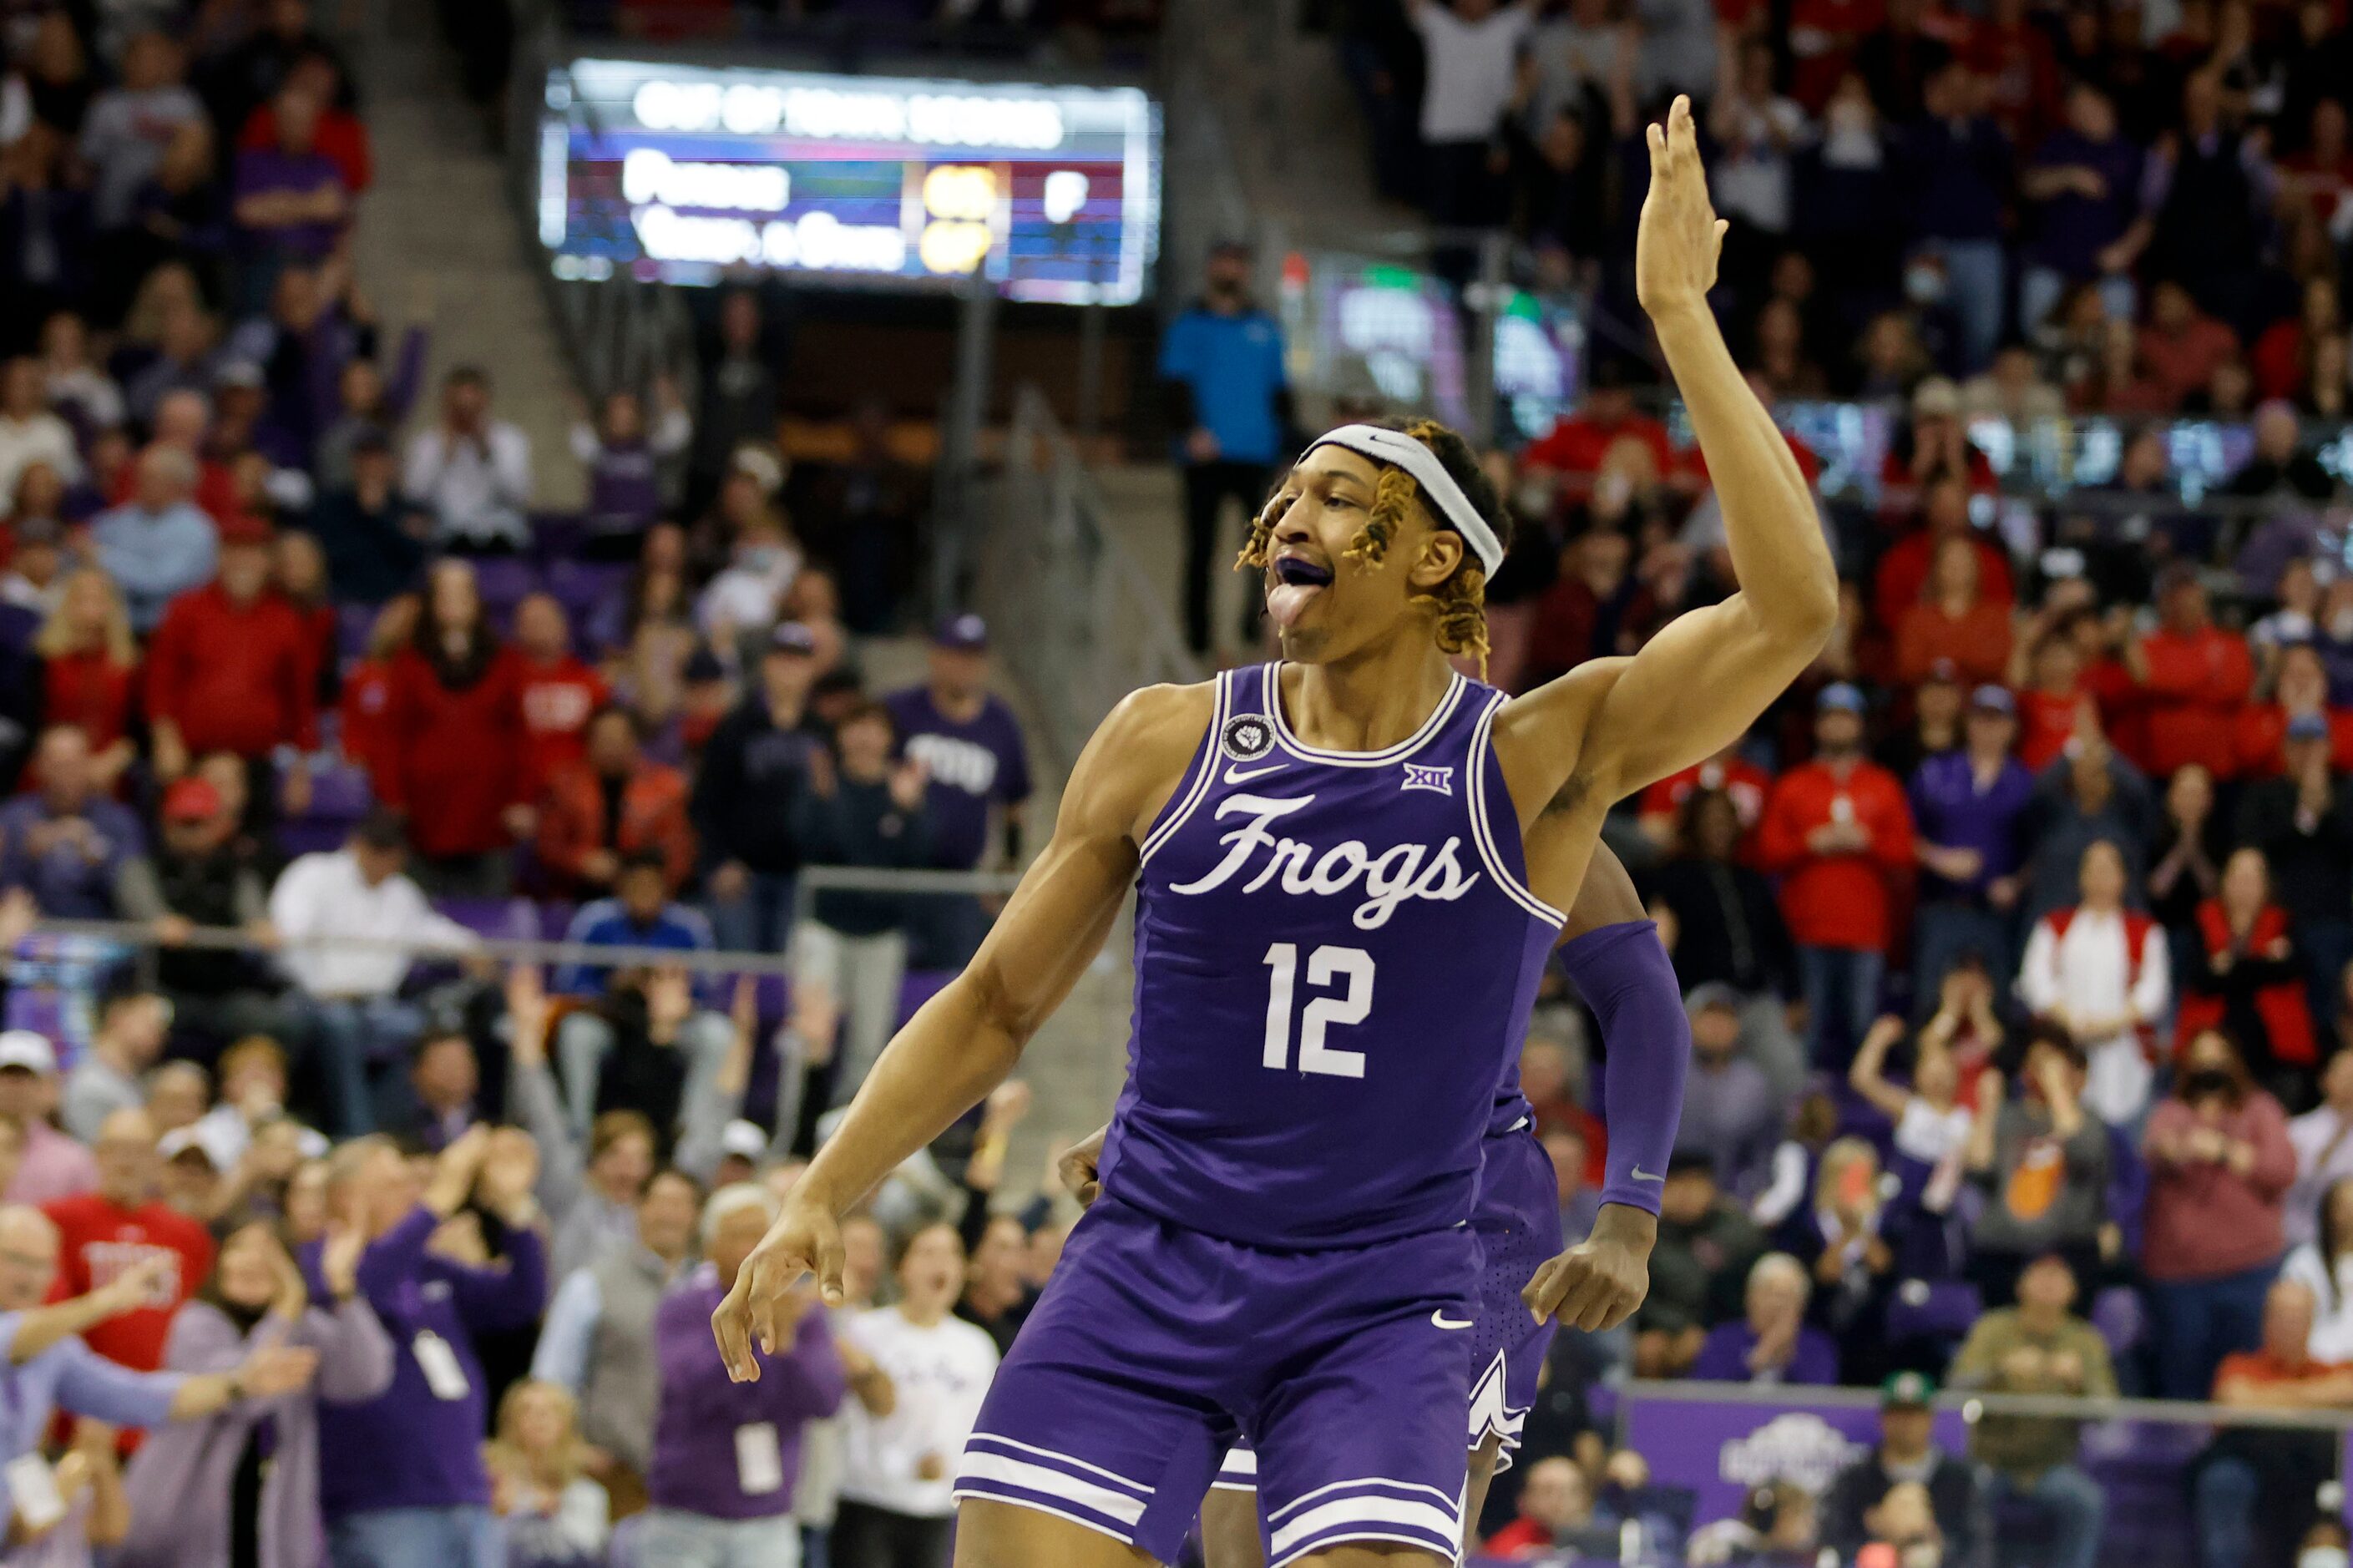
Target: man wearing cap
(158,544)
(52,1165)
(230,669)
(2039,1347)
(349,996)
(1840,831)
(207,874)
(1907,1451)
(1221,369)
(1731,1114)
(470,471)
(2303,822)
(970,743)
(2191,678)
(132,1027)
(78,853)
(120,1225)
(1706,1245)
(372,536)
(598,1338)
(1969,810)
(756,765)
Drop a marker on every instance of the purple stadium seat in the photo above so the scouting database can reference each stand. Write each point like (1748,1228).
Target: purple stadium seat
(2117,1313)
(555,919)
(352,624)
(513,920)
(581,585)
(1933,1310)
(504,582)
(340,797)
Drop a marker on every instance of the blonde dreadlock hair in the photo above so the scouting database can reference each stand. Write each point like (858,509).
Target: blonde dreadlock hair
(1460,602)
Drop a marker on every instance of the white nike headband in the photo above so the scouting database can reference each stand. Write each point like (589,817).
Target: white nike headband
(1395,447)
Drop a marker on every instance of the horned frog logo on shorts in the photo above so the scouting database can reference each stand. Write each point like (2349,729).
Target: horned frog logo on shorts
(1247,737)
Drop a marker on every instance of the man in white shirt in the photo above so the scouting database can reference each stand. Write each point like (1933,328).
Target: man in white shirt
(471,471)
(348,996)
(1473,48)
(2102,969)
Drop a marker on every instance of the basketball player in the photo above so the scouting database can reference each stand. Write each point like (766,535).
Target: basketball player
(1610,949)
(1336,947)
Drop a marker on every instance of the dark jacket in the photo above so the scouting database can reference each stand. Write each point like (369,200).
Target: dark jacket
(859,825)
(1956,1489)
(753,772)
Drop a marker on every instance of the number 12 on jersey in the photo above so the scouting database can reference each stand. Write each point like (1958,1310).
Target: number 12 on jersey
(1325,966)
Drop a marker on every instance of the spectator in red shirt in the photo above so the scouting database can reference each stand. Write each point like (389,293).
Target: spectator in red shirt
(2055,700)
(2181,345)
(1576,445)
(454,736)
(341,135)
(2012,55)
(2301,689)
(559,692)
(1954,622)
(88,665)
(122,1226)
(1841,832)
(1742,781)
(1555,1514)
(608,803)
(2193,678)
(365,735)
(1904,571)
(2285,347)
(301,569)
(230,671)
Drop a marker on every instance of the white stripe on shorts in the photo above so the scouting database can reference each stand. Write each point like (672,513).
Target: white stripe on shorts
(1357,1519)
(1237,1472)
(985,1467)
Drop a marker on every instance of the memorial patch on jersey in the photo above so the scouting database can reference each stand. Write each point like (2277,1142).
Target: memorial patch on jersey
(1247,737)
(1441,780)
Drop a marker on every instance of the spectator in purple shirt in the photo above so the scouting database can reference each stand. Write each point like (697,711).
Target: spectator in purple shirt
(1773,1342)
(2085,184)
(970,743)
(726,1454)
(1957,165)
(1968,807)
(291,202)
(401,1478)
(69,847)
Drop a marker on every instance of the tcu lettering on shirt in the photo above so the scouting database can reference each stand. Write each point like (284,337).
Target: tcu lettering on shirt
(110,1260)
(555,707)
(1402,871)
(960,764)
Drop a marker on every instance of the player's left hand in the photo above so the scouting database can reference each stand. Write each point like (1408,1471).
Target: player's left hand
(1598,1283)
(1077,1167)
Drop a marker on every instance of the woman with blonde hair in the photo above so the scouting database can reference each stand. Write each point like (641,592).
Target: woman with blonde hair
(88,669)
(554,1514)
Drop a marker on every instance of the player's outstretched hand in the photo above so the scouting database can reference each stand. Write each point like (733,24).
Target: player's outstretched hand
(1598,1283)
(1680,236)
(760,1309)
(1077,1167)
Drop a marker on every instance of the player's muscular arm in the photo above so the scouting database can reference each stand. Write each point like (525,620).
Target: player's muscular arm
(1699,684)
(965,1040)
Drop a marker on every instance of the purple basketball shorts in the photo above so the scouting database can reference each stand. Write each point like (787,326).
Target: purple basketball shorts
(1517,1224)
(1156,1347)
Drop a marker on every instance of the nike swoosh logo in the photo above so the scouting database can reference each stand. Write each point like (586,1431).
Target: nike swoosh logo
(1641,1174)
(1236,775)
(1443,1321)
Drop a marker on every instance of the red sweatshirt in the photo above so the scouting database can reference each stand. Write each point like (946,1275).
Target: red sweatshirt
(2046,723)
(234,677)
(557,699)
(98,1241)
(1904,572)
(2260,732)
(1838,901)
(366,712)
(89,690)
(454,758)
(2191,700)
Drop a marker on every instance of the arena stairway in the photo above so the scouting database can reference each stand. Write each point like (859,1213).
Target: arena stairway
(438,242)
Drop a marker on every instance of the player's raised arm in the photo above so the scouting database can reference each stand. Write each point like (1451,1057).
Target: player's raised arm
(965,1040)
(1697,685)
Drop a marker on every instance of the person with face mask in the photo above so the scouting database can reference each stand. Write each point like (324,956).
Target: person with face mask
(2219,1168)
(1840,831)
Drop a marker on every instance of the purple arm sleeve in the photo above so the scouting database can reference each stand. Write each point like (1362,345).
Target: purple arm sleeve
(1622,972)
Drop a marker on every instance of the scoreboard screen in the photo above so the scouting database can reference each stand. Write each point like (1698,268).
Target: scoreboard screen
(685,174)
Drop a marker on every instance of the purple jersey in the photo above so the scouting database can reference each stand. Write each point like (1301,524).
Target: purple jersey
(1336,954)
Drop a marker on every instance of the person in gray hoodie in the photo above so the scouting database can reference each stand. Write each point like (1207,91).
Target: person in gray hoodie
(242,1485)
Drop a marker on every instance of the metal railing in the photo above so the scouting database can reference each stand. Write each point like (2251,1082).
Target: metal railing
(145,938)
(1089,625)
